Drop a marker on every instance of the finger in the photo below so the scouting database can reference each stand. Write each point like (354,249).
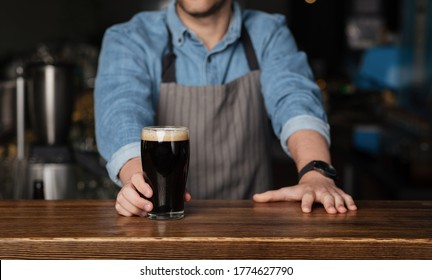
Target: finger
(124,207)
(283,194)
(307,202)
(340,204)
(140,184)
(131,200)
(349,202)
(128,207)
(187,196)
(122,211)
(329,203)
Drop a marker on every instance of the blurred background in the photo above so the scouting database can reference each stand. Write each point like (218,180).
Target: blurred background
(371,58)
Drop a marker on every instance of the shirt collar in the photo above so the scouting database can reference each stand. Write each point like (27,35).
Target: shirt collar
(178,29)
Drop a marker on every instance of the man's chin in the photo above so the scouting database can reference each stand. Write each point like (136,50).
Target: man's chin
(203,13)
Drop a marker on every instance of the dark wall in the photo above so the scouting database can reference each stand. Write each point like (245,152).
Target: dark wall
(25,23)
(319,28)
(320,31)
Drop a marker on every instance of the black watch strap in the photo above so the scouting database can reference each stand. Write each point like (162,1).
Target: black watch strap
(322,167)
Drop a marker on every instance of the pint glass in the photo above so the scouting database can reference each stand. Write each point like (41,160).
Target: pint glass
(165,162)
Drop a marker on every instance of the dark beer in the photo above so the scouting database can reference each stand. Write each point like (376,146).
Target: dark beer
(165,161)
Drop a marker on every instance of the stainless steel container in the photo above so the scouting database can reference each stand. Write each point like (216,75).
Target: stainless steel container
(51,89)
(50,170)
(59,181)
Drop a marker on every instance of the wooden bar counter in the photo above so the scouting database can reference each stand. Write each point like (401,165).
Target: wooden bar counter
(91,229)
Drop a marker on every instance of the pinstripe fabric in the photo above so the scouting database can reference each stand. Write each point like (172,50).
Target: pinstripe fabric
(229,133)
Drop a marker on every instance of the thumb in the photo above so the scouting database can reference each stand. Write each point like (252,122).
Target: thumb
(267,196)
(263,197)
(283,194)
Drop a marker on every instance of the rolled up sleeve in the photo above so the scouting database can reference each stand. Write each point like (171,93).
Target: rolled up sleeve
(301,123)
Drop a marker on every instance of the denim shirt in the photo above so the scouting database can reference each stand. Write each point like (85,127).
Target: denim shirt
(130,70)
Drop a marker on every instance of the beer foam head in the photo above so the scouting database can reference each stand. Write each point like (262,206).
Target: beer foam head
(165,133)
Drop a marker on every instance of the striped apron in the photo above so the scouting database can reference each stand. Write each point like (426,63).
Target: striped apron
(229,130)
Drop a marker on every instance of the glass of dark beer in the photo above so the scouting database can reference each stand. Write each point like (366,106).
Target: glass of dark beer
(165,162)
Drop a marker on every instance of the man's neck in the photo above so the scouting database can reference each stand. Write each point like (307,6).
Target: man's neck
(210,29)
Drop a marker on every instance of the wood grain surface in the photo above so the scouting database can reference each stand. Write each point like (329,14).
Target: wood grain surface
(91,229)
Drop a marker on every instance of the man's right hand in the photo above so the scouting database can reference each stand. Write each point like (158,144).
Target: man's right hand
(130,200)
(134,196)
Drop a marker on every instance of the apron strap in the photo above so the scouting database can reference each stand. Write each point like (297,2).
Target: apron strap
(249,49)
(168,62)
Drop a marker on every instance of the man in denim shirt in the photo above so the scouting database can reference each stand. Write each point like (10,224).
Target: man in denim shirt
(220,71)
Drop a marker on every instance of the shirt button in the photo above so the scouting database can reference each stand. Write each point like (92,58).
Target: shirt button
(180,40)
(209,59)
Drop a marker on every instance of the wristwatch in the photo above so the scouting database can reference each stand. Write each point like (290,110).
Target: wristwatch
(322,167)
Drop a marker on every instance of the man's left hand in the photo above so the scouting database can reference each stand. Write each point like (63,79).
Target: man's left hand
(313,187)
